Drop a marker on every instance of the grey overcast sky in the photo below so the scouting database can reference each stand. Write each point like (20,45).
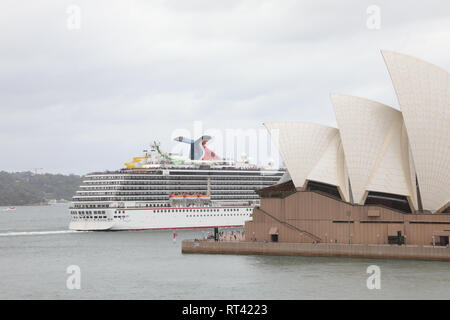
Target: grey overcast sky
(80,100)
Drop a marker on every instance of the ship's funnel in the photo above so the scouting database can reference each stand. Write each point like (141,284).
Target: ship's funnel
(198,148)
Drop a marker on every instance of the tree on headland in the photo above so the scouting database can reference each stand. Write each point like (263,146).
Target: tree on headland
(26,188)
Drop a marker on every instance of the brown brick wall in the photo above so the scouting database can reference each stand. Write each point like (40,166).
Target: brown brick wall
(326,218)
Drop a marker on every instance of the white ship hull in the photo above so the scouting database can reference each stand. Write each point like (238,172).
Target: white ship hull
(159,191)
(163,218)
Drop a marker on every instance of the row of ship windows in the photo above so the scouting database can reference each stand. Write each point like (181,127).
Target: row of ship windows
(93,206)
(189,216)
(164,210)
(180,180)
(117,186)
(97,217)
(107,206)
(182,187)
(87,212)
(181,176)
(199,210)
(138,193)
(155,197)
(158,204)
(230,186)
(161,196)
(152,187)
(218,215)
(93,217)
(169,186)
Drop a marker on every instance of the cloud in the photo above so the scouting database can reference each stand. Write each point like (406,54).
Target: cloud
(90,99)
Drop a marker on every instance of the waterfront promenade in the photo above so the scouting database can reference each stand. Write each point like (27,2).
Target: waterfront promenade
(318,249)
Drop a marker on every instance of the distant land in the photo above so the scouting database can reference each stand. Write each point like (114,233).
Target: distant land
(27,188)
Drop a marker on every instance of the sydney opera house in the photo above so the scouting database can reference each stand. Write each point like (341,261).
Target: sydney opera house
(382,176)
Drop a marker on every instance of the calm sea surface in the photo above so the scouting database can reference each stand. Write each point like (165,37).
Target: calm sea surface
(36,248)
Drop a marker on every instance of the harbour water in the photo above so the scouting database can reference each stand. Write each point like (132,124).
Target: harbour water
(36,248)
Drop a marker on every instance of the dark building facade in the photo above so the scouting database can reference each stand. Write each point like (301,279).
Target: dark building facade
(314,216)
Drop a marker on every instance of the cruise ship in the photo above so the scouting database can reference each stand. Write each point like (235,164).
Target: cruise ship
(166,191)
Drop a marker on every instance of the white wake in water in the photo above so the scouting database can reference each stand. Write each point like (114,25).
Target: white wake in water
(35,233)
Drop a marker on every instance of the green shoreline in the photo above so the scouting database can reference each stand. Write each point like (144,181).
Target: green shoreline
(29,189)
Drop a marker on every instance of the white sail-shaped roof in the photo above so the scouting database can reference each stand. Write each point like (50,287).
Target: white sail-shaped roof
(310,152)
(423,92)
(372,137)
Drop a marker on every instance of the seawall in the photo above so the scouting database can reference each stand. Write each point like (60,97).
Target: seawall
(318,250)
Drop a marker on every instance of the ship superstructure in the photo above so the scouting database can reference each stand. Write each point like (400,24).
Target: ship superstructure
(166,191)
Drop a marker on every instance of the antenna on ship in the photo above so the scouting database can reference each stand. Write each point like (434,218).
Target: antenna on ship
(145,151)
